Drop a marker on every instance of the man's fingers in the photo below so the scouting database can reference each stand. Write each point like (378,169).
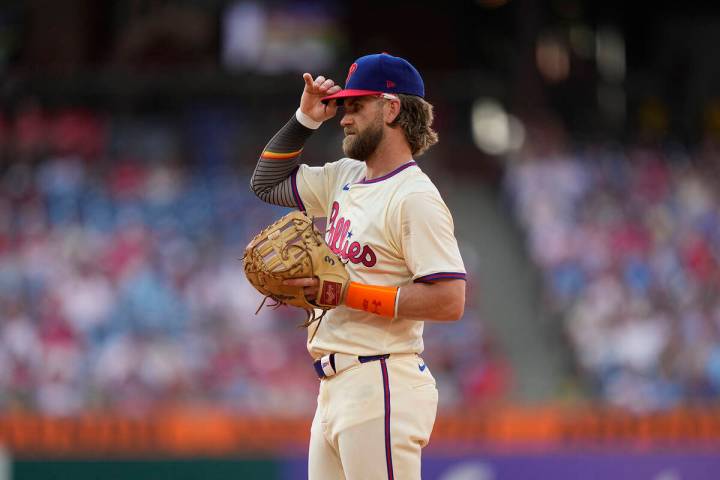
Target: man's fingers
(301,282)
(308,80)
(331,107)
(327,84)
(320,85)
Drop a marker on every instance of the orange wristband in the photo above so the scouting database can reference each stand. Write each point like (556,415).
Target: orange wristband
(372,298)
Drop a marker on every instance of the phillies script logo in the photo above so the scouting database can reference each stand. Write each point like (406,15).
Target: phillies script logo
(338,239)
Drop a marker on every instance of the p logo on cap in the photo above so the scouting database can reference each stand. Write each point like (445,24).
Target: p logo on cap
(352,69)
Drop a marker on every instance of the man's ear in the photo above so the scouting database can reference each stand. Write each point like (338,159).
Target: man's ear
(391,111)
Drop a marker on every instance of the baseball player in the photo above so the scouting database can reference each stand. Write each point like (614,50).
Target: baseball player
(378,400)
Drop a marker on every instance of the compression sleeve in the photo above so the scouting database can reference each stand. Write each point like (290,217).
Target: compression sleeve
(272,179)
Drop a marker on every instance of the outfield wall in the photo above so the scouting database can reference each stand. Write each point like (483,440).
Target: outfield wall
(495,444)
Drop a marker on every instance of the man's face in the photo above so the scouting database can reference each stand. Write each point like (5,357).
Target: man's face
(363,125)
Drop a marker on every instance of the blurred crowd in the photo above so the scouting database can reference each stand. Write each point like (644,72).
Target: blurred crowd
(628,241)
(121,285)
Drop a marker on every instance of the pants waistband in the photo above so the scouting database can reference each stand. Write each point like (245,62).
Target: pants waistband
(335,363)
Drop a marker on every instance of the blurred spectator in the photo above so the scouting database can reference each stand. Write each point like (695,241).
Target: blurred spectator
(628,240)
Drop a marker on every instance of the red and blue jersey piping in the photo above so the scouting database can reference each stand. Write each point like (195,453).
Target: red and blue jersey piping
(296,193)
(388,175)
(434,277)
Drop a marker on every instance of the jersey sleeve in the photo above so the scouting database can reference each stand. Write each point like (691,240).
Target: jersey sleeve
(428,239)
(312,186)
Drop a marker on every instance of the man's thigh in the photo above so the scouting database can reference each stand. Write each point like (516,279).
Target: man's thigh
(389,445)
(323,459)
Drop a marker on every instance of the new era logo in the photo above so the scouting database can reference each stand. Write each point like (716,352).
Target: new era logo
(389,84)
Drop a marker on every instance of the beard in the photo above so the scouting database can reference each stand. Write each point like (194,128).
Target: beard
(362,145)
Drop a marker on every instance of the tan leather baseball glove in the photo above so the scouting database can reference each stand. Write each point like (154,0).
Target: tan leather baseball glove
(293,248)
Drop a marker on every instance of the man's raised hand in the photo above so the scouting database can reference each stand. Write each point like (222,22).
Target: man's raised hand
(314,91)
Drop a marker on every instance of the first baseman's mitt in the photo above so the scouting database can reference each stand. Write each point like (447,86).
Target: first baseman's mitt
(293,248)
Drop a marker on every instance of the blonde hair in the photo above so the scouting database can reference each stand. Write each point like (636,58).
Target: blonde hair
(416,118)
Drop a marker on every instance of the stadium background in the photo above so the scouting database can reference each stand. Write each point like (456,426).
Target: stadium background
(579,155)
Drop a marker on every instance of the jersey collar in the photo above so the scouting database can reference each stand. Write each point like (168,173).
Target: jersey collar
(388,175)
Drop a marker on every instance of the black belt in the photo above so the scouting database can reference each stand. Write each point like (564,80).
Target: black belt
(318,364)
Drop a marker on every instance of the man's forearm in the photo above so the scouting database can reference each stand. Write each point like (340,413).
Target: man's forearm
(442,301)
(271,179)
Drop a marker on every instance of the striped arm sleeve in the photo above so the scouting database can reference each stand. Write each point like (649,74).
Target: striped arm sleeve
(272,180)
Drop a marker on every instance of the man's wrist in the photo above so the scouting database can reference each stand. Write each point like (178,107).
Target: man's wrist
(376,299)
(306,121)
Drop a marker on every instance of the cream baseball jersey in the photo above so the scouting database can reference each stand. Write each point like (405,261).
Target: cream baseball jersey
(391,231)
